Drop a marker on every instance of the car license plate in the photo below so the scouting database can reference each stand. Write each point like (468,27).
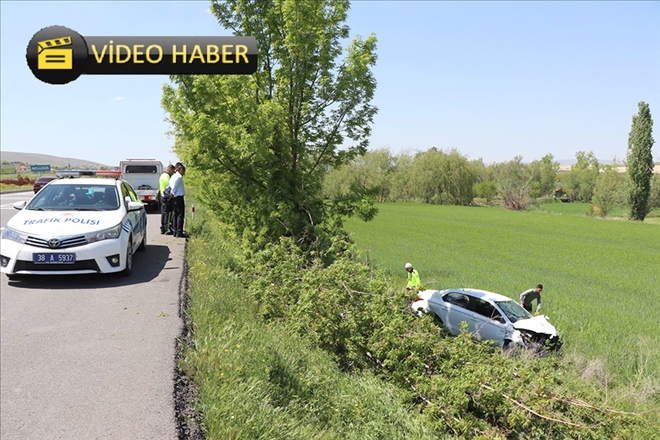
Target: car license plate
(54,258)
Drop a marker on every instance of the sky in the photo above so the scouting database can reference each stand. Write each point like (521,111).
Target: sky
(492,79)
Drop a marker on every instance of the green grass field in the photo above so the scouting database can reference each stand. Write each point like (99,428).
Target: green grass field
(618,213)
(601,277)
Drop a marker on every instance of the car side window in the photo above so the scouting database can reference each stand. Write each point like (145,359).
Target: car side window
(484,308)
(457,299)
(132,194)
(124,194)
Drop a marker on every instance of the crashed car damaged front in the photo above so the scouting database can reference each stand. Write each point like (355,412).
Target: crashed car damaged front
(490,316)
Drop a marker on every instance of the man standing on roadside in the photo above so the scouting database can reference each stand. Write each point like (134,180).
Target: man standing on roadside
(166,223)
(177,200)
(530,295)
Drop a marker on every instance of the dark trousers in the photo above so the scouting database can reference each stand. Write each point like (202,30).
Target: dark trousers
(166,221)
(179,208)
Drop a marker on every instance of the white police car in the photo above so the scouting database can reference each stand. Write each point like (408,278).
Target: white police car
(75,226)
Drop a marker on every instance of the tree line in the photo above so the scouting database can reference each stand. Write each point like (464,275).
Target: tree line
(448,177)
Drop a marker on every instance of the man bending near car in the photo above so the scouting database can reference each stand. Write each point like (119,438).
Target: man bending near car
(528,296)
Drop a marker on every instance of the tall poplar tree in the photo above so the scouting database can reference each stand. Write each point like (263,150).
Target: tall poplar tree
(640,163)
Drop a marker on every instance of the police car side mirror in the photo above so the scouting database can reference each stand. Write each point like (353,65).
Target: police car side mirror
(20,205)
(135,206)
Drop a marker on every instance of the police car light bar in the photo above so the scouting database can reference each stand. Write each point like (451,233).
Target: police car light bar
(87,173)
(74,173)
(108,173)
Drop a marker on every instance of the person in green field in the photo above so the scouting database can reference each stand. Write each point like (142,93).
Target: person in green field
(530,295)
(414,282)
(165,205)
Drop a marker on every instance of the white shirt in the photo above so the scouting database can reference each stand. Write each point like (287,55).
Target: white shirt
(176,183)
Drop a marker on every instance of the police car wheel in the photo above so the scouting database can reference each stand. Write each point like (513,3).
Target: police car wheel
(129,258)
(143,245)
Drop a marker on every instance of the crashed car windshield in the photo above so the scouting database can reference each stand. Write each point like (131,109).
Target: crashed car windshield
(76,197)
(513,310)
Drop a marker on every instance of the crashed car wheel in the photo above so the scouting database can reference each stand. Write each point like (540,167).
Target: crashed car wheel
(510,348)
(539,345)
(554,344)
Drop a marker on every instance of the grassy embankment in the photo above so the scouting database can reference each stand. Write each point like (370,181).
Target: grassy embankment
(601,278)
(257,381)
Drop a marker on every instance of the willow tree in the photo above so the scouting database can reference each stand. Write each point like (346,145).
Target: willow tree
(640,163)
(260,144)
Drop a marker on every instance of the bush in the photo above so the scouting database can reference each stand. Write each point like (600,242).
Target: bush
(547,200)
(486,190)
(654,196)
(256,380)
(514,180)
(19,181)
(467,388)
(608,192)
(593,211)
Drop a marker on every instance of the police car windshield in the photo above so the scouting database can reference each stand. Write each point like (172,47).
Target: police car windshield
(73,197)
(513,310)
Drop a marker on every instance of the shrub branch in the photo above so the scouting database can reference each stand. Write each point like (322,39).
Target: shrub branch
(538,414)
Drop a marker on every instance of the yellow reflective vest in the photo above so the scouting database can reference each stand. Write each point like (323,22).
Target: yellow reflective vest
(163,181)
(413,280)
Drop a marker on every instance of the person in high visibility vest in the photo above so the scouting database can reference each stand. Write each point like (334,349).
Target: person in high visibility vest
(414,282)
(165,205)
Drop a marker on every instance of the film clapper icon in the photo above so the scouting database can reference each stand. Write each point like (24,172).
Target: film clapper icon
(52,56)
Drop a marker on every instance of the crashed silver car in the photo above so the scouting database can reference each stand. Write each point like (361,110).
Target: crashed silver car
(490,316)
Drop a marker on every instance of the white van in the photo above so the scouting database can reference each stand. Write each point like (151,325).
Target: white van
(143,175)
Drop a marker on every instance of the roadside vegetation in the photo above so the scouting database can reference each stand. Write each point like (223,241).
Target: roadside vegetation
(17,181)
(297,332)
(257,379)
(285,346)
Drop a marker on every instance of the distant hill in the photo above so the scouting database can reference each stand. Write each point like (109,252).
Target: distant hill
(45,159)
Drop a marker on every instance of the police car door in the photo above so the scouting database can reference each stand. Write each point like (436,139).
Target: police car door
(137,219)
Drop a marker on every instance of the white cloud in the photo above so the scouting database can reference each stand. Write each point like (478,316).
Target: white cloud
(119,98)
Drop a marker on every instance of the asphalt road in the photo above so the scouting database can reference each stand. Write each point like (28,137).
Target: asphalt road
(92,356)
